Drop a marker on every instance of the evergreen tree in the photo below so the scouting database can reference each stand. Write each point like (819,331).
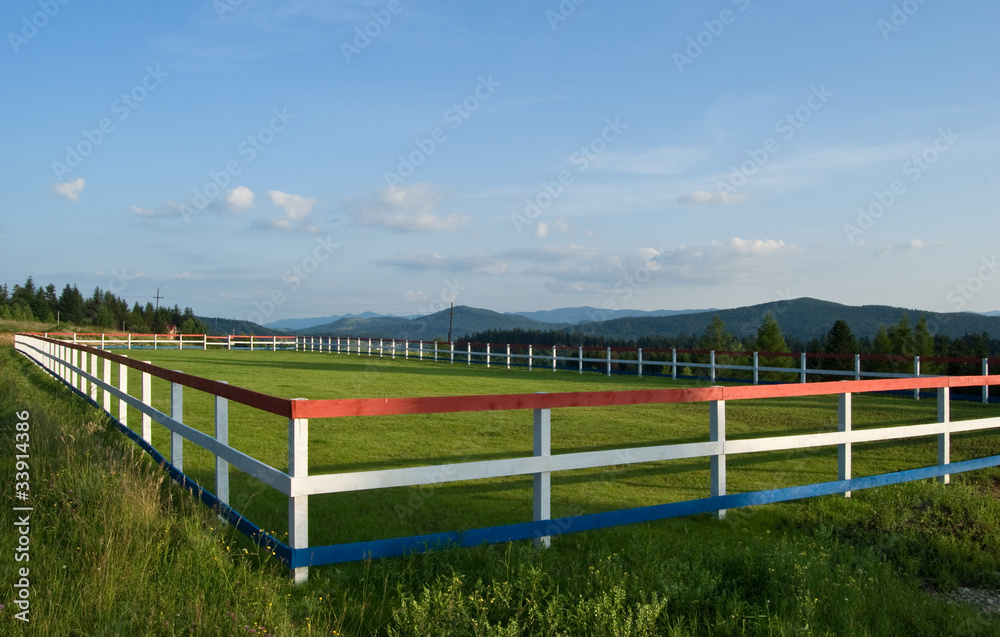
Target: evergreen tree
(840,340)
(770,339)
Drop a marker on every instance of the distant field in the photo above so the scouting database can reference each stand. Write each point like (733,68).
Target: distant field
(352,444)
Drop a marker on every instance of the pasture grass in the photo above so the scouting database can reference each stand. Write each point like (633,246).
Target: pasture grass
(118,550)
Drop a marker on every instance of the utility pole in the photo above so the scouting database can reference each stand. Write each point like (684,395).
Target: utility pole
(451,319)
(156,313)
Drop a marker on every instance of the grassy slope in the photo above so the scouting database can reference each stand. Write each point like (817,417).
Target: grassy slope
(773,570)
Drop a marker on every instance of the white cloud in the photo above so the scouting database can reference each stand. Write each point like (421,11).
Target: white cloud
(239,198)
(141,212)
(406,209)
(296,207)
(908,246)
(541,230)
(69,189)
(700,197)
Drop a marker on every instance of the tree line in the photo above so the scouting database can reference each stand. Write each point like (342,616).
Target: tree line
(102,310)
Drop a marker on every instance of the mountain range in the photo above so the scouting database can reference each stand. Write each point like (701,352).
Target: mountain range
(803,319)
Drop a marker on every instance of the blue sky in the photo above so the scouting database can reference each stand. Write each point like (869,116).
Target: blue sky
(271,159)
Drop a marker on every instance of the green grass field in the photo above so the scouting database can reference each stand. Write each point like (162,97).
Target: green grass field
(120,551)
(353,444)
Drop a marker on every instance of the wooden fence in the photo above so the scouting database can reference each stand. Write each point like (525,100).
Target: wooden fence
(87,370)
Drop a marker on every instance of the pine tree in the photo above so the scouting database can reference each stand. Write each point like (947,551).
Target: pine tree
(770,339)
(840,340)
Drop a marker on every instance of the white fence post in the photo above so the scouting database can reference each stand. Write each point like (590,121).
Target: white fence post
(580,358)
(609,362)
(123,387)
(177,413)
(204,341)
(542,481)
(406,349)
(74,359)
(222,435)
(452,346)
(274,343)
(529,358)
(147,399)
(553,358)
(154,341)
(128,341)
(802,367)
(857,367)
(717,468)
(487,355)
(298,506)
(420,356)
(673,363)
(756,368)
(469,353)
(916,372)
(102,341)
(394,348)
(93,372)
(986,388)
(844,424)
(711,358)
(508,355)
(944,439)
(639,354)
(107,381)
(369,346)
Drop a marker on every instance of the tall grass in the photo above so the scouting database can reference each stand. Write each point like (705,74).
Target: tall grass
(118,550)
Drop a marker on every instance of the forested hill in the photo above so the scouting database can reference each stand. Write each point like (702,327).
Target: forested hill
(801,319)
(467,320)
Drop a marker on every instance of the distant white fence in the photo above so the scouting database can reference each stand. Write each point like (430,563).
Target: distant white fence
(88,371)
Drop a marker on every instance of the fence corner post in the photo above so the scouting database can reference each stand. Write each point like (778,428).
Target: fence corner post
(717,468)
(542,481)
(944,438)
(298,505)
(844,424)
